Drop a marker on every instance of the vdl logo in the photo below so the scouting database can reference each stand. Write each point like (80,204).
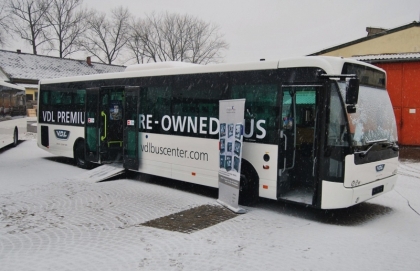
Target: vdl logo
(62,134)
(380,167)
(231,109)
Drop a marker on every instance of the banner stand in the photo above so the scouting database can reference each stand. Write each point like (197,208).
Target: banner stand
(238,210)
(231,133)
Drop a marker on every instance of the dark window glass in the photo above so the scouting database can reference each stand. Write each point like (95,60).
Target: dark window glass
(260,89)
(196,103)
(67,97)
(367,76)
(45,97)
(56,98)
(155,102)
(337,124)
(185,105)
(79,96)
(61,97)
(6,102)
(337,138)
(29,97)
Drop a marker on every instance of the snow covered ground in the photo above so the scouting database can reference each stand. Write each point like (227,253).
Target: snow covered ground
(48,222)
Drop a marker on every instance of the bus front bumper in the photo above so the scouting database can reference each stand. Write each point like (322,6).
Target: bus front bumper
(335,195)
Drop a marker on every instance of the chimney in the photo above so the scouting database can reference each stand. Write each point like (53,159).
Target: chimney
(88,61)
(374,30)
(18,51)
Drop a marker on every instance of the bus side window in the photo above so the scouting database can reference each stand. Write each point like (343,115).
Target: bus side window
(55,97)
(260,106)
(305,116)
(13,96)
(337,128)
(105,99)
(155,102)
(195,97)
(79,96)
(45,97)
(6,102)
(66,97)
(1,103)
(260,91)
(337,137)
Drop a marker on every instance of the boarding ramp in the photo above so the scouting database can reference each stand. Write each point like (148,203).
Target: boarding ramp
(100,173)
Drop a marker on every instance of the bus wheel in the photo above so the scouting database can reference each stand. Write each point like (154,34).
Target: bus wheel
(79,155)
(248,188)
(15,137)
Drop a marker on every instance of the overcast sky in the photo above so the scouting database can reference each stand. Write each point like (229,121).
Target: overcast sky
(274,29)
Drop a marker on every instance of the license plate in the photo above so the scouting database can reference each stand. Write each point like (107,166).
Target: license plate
(377,190)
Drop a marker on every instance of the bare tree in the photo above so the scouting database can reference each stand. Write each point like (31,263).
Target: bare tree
(3,24)
(145,40)
(67,21)
(163,37)
(105,37)
(206,43)
(136,44)
(30,21)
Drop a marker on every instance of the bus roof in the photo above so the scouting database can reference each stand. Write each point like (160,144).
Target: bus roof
(331,65)
(9,85)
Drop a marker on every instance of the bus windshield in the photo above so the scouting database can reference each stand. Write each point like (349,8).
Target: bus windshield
(374,120)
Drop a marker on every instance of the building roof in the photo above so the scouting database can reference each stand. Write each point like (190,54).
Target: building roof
(369,37)
(389,57)
(21,66)
(8,85)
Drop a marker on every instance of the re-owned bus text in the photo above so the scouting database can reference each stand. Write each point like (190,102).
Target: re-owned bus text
(201,125)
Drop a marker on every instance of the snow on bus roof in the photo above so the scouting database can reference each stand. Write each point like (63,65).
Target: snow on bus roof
(331,65)
(158,65)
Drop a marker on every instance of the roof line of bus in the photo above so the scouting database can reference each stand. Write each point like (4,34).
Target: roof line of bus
(5,84)
(331,65)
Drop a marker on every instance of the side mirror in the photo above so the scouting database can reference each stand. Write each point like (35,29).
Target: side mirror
(352,93)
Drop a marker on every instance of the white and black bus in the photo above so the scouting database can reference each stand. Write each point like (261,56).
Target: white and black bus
(318,130)
(12,113)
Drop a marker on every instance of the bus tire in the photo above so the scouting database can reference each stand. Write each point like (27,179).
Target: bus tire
(249,185)
(15,137)
(79,155)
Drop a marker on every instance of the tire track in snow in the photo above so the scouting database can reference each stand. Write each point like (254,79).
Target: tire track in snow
(69,225)
(409,170)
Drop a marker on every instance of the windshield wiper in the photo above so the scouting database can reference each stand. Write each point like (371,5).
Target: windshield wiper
(392,145)
(376,141)
(383,142)
(364,153)
(389,144)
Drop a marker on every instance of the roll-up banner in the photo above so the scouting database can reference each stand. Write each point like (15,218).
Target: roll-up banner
(231,118)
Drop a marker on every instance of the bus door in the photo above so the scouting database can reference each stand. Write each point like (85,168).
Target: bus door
(131,128)
(104,125)
(298,143)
